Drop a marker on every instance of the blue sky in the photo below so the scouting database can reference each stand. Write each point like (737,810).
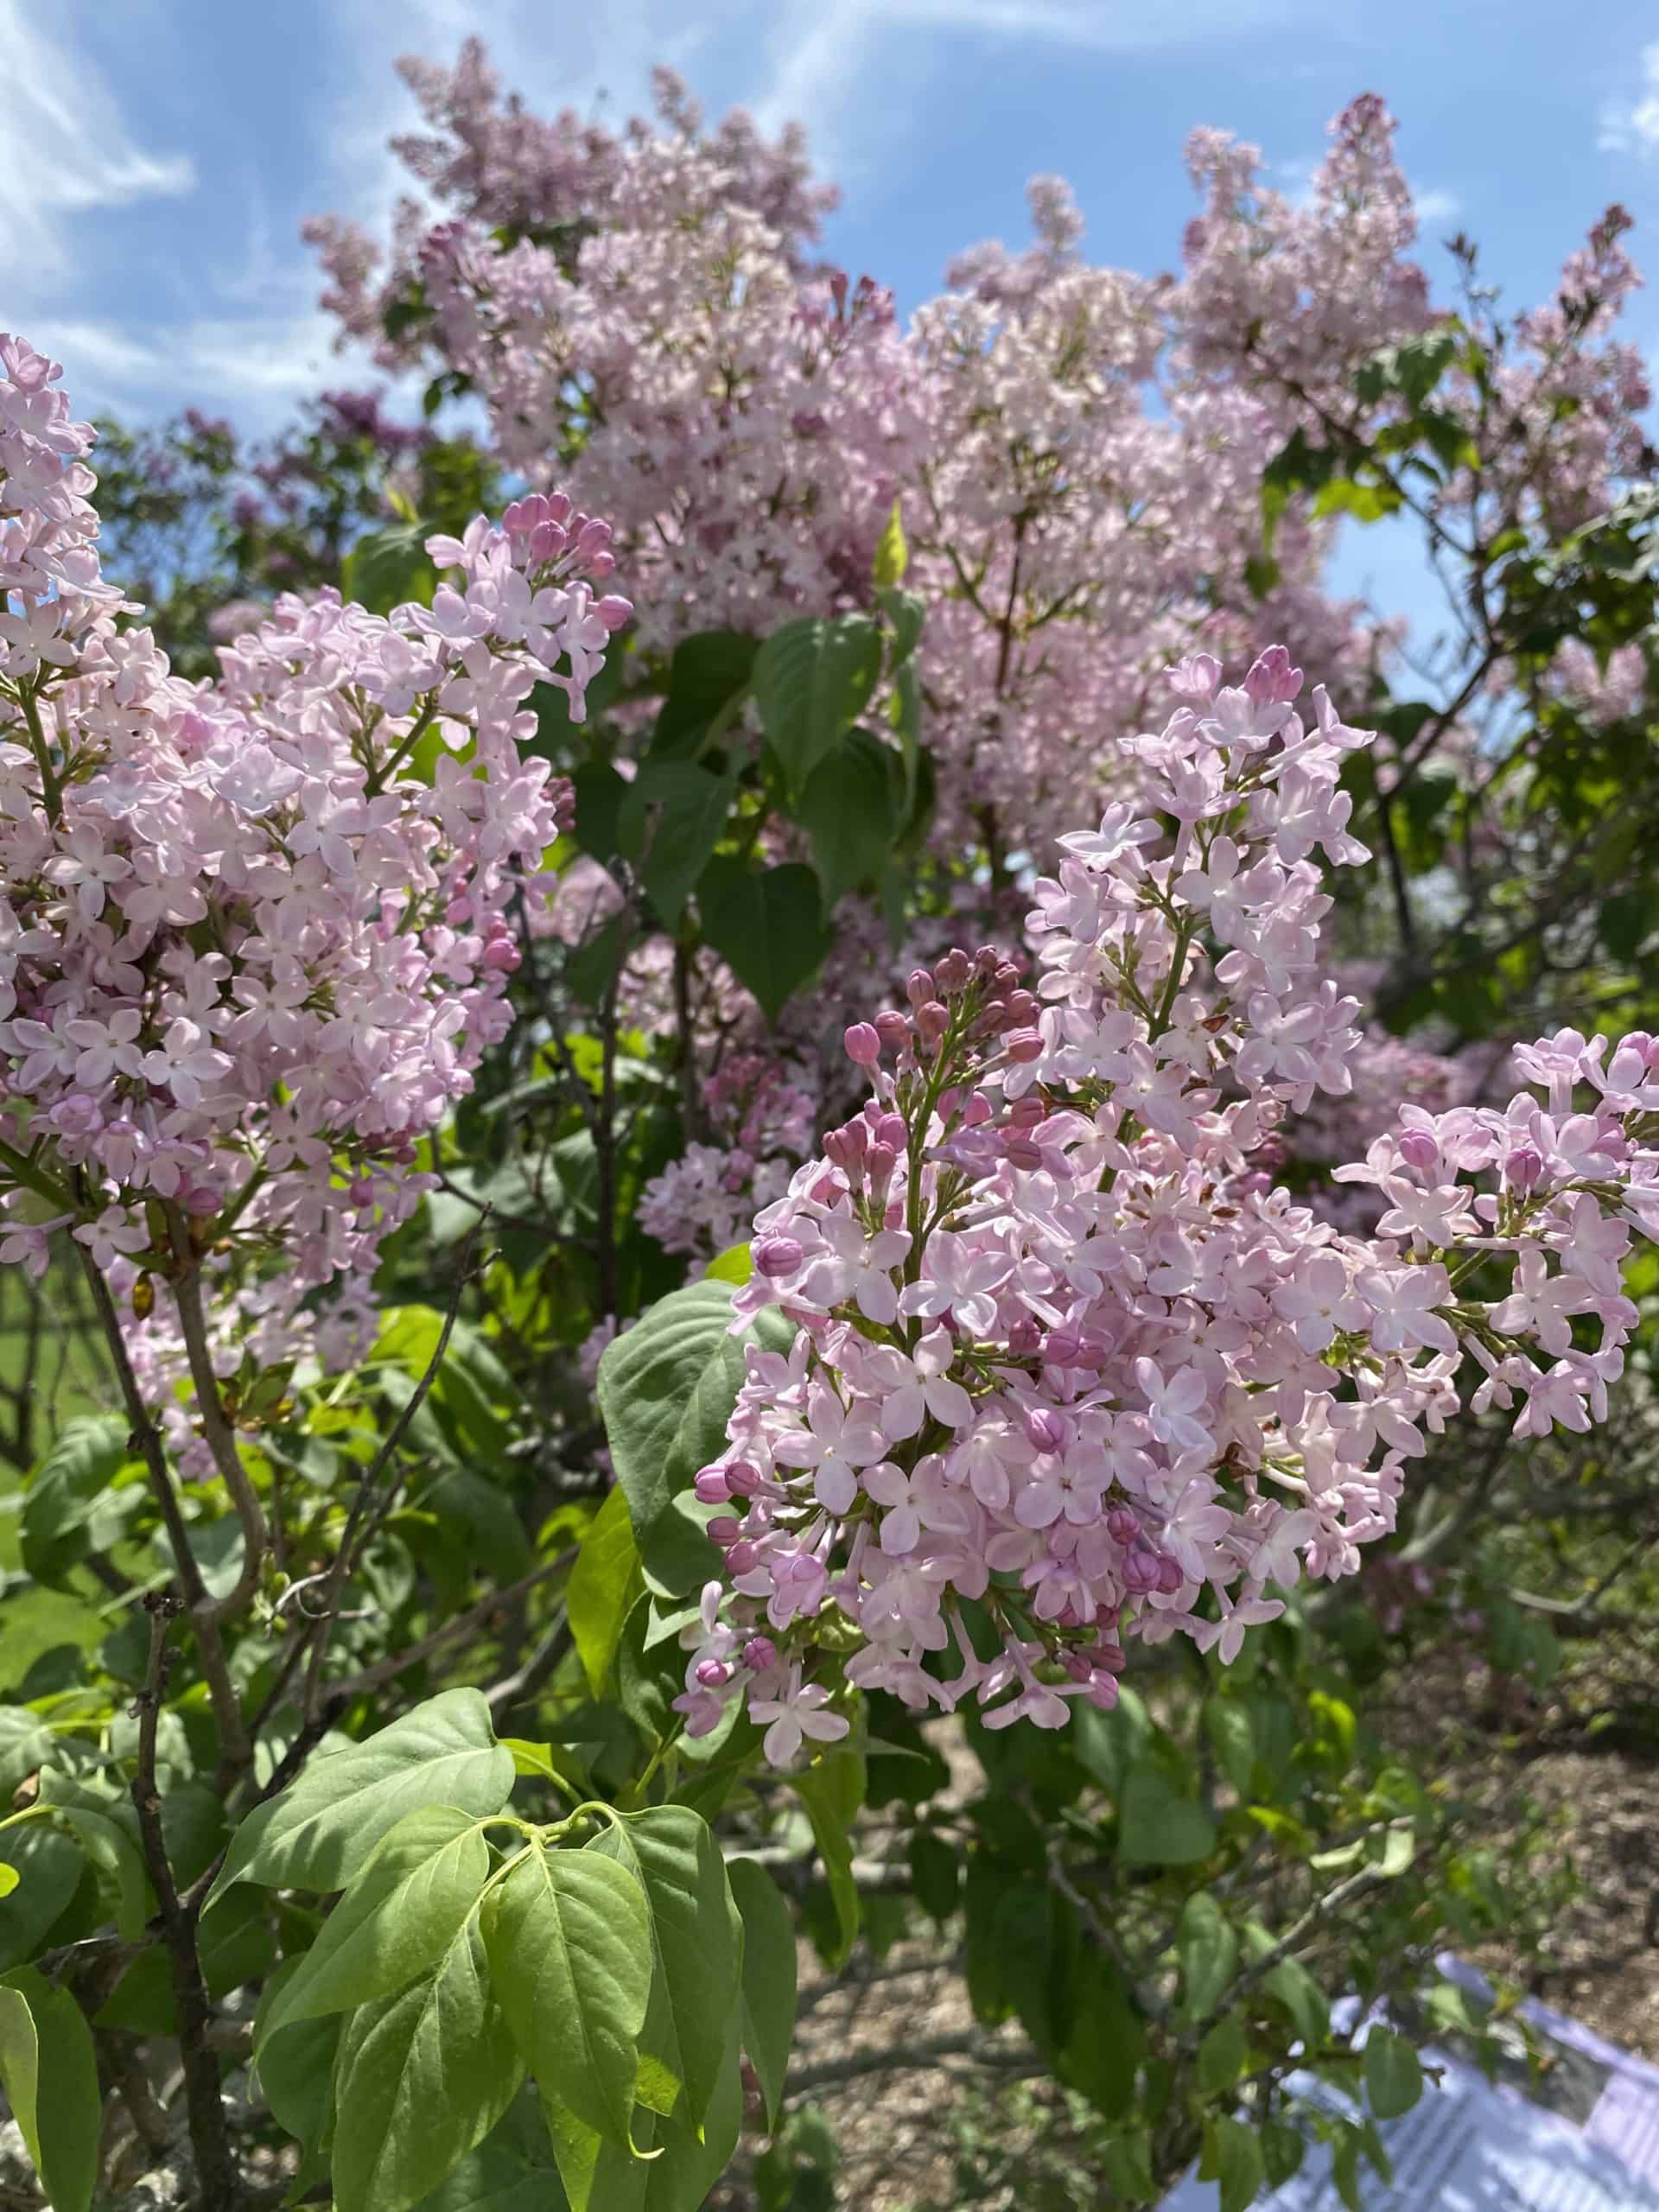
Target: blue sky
(159,155)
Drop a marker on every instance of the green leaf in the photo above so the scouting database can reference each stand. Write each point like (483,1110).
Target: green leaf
(666,1390)
(297,2068)
(1227,1722)
(812,679)
(404,1908)
(846,810)
(706,677)
(1207,1946)
(892,554)
(1223,2054)
(387,568)
(735,1265)
(569,1945)
(935,1874)
(603,1585)
(1234,2157)
(48,1868)
(672,817)
(832,1792)
(1157,1824)
(697,1941)
(421,2078)
(116,1857)
(62,1491)
(45,2043)
(26,1744)
(1102,2052)
(1393,2078)
(1107,1745)
(143,2001)
(766,923)
(318,1831)
(768,1979)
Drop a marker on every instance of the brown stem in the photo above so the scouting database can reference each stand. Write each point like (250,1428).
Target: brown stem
(216,2168)
(147,1442)
(221,1438)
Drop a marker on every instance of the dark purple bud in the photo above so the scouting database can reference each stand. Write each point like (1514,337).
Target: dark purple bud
(758,1653)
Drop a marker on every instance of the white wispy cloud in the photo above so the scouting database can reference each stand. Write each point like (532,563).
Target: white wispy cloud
(65,147)
(1630,124)
(825,58)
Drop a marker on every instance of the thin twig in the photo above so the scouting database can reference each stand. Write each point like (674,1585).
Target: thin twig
(216,2166)
(147,1442)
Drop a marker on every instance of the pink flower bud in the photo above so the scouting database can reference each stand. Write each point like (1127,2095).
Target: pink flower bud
(775,1257)
(1025,1046)
(1123,1526)
(1045,1429)
(863,1044)
(892,1029)
(724,1528)
(1418,1150)
(759,1653)
(714,1674)
(742,1558)
(879,1163)
(712,1487)
(1140,1573)
(891,1131)
(1170,1577)
(612,611)
(955,972)
(1523,1168)
(743,1479)
(932,1021)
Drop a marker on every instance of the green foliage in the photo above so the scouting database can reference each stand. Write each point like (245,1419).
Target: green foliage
(48,2070)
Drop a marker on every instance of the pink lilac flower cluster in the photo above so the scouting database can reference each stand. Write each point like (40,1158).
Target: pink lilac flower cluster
(1067,1370)
(764,1123)
(253,940)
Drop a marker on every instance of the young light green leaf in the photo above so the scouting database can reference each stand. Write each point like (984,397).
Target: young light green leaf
(317,1832)
(768,1978)
(1393,2078)
(48,2070)
(569,1937)
(892,554)
(421,2078)
(603,1585)
(696,1938)
(403,1909)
